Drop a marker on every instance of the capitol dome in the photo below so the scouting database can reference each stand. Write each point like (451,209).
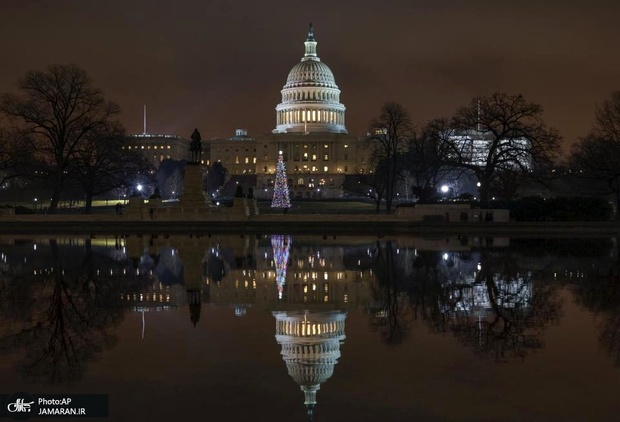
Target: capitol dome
(310,98)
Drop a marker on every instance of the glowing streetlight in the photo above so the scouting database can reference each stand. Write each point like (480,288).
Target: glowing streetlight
(445,189)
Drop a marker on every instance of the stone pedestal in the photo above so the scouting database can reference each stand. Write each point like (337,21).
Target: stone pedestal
(238,209)
(135,208)
(192,190)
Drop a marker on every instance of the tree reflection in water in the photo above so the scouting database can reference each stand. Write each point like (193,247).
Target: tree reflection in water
(599,292)
(64,320)
(391,315)
(503,313)
(490,304)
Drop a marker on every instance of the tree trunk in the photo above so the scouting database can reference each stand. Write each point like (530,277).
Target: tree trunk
(58,180)
(54,201)
(390,185)
(88,206)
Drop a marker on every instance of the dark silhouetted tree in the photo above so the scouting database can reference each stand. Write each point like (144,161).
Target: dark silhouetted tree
(102,163)
(389,134)
(594,159)
(59,108)
(498,133)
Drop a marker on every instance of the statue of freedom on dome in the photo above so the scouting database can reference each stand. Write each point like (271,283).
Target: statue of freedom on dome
(195,147)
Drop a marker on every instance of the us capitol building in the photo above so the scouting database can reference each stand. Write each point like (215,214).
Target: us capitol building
(310,131)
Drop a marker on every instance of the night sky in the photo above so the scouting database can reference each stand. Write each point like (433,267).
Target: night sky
(220,65)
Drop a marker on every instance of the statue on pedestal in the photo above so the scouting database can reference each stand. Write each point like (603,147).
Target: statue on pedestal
(195,147)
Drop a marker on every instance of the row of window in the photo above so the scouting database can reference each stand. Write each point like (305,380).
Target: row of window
(310,95)
(246,160)
(148,147)
(302,183)
(306,169)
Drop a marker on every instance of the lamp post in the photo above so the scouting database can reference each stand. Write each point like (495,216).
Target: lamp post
(34,203)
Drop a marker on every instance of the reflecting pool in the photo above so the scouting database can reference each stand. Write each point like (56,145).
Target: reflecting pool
(285,328)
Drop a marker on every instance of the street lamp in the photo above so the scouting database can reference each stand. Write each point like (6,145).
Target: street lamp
(35,204)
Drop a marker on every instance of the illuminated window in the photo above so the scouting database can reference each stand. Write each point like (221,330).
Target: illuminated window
(346,146)
(247,160)
(168,146)
(237,159)
(313,157)
(311,183)
(254,160)
(300,181)
(326,146)
(305,156)
(325,169)
(326,157)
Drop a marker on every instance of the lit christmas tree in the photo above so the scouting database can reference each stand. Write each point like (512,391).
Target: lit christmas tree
(280,190)
(281,245)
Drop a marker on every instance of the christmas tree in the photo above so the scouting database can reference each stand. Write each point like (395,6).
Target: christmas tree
(280,190)
(281,245)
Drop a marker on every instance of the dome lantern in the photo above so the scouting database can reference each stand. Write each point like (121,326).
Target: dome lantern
(310,46)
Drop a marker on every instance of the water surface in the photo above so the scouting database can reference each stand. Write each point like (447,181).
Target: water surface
(336,328)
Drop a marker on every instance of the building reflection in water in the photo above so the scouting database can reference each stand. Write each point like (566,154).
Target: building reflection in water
(310,348)
(494,299)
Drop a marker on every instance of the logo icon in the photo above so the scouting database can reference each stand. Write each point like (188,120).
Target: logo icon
(21,406)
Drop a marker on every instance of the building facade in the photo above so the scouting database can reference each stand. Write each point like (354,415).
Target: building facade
(157,148)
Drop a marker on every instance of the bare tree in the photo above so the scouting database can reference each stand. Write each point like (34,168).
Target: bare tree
(501,133)
(607,116)
(372,185)
(101,163)
(173,187)
(16,155)
(391,132)
(59,107)
(426,155)
(594,159)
